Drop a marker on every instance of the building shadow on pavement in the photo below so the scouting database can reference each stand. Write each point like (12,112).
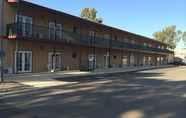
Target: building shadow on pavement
(122,95)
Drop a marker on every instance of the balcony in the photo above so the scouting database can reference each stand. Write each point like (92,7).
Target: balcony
(34,32)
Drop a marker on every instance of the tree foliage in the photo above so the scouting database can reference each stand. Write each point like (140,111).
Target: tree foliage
(90,14)
(184,37)
(170,35)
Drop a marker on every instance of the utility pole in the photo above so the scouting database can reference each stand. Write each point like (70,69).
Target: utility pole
(1,38)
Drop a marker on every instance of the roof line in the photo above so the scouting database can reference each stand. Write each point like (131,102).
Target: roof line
(79,18)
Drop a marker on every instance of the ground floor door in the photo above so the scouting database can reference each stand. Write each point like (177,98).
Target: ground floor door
(124,61)
(132,61)
(23,61)
(92,61)
(55,61)
(106,61)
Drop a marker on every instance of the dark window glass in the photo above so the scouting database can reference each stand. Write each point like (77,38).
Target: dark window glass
(74,55)
(75,29)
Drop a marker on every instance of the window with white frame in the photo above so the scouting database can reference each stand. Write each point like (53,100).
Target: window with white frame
(91,33)
(52,30)
(58,31)
(24,25)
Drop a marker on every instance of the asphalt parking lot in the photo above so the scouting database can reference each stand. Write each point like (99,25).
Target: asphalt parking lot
(159,93)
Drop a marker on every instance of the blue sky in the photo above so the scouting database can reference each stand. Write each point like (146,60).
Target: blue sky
(138,16)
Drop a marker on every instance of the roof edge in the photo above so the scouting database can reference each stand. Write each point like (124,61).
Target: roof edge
(79,18)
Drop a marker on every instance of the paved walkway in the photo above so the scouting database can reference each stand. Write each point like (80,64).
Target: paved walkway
(41,80)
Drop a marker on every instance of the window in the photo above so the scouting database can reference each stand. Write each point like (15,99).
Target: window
(145,44)
(75,29)
(24,25)
(115,38)
(74,55)
(92,33)
(58,31)
(126,40)
(133,41)
(52,30)
(106,36)
(28,26)
(150,45)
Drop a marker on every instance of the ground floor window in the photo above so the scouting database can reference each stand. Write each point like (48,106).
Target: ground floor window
(23,61)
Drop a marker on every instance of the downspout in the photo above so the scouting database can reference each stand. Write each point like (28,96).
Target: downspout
(1,40)
(17,33)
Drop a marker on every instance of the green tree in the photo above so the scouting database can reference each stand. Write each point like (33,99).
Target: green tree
(184,37)
(90,14)
(169,35)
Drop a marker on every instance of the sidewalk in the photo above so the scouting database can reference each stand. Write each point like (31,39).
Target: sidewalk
(46,79)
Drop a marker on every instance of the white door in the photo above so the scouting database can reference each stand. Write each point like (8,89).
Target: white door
(132,60)
(54,61)
(92,61)
(23,61)
(124,61)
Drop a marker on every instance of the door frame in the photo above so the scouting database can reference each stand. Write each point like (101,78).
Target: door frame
(52,64)
(15,59)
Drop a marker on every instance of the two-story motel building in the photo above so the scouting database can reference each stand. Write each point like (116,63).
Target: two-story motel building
(39,39)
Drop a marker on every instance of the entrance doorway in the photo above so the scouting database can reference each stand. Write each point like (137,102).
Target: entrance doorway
(92,61)
(55,61)
(125,61)
(23,61)
(106,61)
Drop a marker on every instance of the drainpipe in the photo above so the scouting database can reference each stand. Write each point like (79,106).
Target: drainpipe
(110,45)
(17,33)
(1,39)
